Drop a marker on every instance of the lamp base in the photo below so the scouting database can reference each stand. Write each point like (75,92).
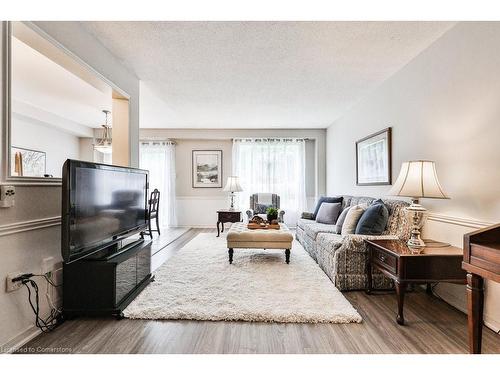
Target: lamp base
(232,201)
(415,241)
(417,215)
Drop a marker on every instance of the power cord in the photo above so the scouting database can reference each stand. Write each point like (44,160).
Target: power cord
(49,280)
(52,321)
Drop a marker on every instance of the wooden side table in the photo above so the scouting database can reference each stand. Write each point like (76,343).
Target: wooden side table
(227,216)
(481,261)
(398,262)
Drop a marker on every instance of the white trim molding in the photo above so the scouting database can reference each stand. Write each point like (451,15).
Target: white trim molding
(17,342)
(464,222)
(25,226)
(202,197)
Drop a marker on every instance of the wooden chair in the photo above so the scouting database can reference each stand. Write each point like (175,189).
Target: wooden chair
(153,209)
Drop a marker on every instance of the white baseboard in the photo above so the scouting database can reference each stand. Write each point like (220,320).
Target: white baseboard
(197,226)
(491,323)
(19,340)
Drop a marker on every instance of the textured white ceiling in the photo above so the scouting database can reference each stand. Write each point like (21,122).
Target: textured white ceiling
(260,74)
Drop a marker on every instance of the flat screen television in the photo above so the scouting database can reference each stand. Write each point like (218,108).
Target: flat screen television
(101,205)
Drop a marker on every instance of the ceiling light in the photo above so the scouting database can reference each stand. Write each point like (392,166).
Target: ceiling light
(104,144)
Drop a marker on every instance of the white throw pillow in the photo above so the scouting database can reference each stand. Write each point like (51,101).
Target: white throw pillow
(352,218)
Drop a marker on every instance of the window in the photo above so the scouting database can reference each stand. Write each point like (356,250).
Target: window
(272,165)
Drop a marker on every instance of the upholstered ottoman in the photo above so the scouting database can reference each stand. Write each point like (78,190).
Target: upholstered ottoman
(240,237)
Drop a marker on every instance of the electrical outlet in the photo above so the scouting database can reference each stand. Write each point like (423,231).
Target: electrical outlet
(7,195)
(47,265)
(10,285)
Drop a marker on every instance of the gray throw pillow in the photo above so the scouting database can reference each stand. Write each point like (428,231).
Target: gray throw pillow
(374,220)
(322,200)
(328,213)
(340,220)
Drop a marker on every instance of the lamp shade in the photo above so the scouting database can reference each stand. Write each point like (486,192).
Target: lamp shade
(233,184)
(418,179)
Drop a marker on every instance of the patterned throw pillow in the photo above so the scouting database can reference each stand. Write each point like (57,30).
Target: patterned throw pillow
(261,208)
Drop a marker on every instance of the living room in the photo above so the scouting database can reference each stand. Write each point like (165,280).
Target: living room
(324,187)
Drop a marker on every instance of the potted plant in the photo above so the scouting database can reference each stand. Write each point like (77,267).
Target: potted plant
(272,214)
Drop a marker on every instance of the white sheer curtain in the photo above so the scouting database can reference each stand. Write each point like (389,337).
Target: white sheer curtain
(159,158)
(272,165)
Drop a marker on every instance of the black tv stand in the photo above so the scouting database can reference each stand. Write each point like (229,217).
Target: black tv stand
(106,283)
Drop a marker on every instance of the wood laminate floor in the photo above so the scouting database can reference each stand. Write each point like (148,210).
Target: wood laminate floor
(433,326)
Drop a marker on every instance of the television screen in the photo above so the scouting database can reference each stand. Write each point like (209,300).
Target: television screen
(101,203)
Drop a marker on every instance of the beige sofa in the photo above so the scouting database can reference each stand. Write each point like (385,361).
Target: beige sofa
(344,258)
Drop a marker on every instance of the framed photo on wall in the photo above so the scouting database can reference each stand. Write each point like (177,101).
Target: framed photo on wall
(373,159)
(207,168)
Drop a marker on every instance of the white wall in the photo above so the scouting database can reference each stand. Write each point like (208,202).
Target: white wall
(120,135)
(442,106)
(82,44)
(57,145)
(30,231)
(197,206)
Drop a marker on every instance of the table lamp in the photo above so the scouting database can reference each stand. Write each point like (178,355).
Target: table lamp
(417,179)
(233,185)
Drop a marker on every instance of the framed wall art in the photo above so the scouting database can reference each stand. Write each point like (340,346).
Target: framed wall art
(373,159)
(207,168)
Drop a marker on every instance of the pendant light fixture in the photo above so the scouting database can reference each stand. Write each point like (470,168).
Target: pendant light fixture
(104,144)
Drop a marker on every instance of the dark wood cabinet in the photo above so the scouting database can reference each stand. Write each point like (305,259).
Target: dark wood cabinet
(106,285)
(403,265)
(481,260)
(227,216)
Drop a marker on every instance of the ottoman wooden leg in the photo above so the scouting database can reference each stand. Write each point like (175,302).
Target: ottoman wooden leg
(287,256)
(230,252)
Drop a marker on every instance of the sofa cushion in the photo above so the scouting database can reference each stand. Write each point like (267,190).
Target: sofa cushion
(352,218)
(340,220)
(328,241)
(350,200)
(314,228)
(328,213)
(374,219)
(301,223)
(325,200)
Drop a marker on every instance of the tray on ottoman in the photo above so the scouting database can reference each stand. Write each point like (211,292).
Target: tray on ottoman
(254,226)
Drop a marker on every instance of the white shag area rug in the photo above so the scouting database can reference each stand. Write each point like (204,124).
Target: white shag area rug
(198,283)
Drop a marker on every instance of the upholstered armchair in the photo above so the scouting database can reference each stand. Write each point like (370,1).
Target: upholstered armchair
(260,202)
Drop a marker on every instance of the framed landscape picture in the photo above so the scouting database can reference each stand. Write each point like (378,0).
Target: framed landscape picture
(373,159)
(207,168)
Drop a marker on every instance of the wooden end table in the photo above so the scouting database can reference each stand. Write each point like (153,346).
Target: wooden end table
(481,261)
(227,216)
(398,262)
